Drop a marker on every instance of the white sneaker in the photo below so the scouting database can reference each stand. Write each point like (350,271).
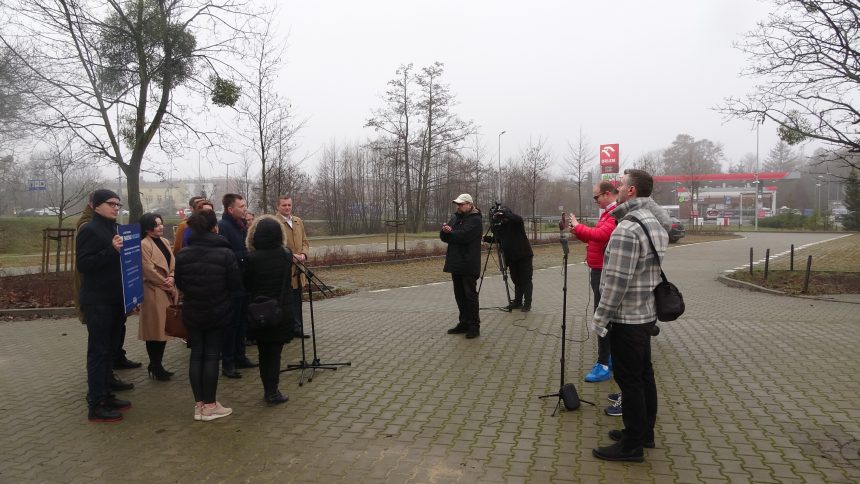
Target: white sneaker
(198,412)
(215,412)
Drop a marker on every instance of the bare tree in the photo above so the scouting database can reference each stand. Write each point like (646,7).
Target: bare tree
(805,56)
(70,171)
(273,129)
(535,163)
(747,164)
(395,121)
(579,157)
(442,135)
(110,71)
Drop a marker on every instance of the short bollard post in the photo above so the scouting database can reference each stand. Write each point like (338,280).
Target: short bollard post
(751,256)
(806,276)
(766,262)
(791,264)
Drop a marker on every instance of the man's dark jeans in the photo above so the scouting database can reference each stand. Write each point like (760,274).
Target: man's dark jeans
(233,338)
(603,346)
(466,295)
(631,348)
(105,325)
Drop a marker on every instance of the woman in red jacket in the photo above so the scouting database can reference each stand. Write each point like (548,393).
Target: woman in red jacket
(597,238)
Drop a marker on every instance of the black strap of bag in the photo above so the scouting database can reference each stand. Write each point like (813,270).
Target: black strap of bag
(667,297)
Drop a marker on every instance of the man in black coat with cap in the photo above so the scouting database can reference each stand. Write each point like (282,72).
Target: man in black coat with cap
(101,298)
(463,260)
(509,231)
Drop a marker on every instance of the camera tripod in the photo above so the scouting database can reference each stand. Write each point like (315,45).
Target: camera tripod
(567,391)
(503,267)
(315,364)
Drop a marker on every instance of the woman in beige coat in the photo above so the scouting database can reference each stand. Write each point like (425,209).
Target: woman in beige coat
(159,291)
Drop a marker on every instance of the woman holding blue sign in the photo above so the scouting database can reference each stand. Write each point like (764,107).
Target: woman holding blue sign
(159,290)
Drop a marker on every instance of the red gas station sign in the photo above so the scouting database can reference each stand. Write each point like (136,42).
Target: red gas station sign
(609,156)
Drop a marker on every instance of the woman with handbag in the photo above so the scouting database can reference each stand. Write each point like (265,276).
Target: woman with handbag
(159,290)
(208,275)
(267,279)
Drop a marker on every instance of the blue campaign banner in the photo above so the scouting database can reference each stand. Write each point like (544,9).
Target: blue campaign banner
(132,274)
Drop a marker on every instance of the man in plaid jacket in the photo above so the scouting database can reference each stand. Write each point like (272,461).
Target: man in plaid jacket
(627,312)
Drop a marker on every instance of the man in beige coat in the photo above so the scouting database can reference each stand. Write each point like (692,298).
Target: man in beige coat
(297,242)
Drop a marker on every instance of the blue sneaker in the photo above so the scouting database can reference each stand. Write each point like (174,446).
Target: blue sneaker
(598,373)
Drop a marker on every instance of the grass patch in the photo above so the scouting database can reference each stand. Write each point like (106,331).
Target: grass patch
(835,269)
(791,282)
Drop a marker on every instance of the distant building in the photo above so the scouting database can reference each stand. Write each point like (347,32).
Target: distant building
(724,195)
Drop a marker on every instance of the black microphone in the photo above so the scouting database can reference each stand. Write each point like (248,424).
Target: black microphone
(562,228)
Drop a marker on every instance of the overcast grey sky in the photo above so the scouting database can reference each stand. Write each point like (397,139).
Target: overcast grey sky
(636,73)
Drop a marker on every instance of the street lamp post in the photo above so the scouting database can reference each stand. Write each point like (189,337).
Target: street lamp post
(500,167)
(227,183)
(757,181)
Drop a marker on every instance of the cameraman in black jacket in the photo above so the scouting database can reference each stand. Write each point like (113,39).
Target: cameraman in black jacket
(509,231)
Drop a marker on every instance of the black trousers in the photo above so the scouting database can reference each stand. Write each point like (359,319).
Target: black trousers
(105,329)
(233,338)
(203,368)
(466,295)
(603,345)
(631,345)
(521,275)
(270,365)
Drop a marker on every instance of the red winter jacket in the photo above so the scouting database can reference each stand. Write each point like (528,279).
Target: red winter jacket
(596,237)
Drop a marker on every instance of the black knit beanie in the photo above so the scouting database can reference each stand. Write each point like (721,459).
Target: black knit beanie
(102,195)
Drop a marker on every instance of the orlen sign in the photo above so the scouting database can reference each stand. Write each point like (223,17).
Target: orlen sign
(609,158)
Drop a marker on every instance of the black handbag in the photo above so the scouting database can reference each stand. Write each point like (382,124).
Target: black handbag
(667,297)
(265,312)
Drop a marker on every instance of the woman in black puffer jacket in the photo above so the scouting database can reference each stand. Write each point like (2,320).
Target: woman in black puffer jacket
(208,275)
(268,263)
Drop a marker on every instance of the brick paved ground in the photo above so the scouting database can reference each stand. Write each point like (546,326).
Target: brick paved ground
(753,388)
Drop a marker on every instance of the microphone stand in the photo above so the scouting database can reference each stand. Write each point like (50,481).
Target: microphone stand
(315,364)
(566,392)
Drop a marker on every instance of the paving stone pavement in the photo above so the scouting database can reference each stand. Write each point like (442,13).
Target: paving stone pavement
(753,388)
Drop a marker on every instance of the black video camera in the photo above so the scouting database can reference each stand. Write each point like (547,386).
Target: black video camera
(498,213)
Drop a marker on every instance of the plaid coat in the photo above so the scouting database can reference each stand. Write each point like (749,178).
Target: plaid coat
(630,272)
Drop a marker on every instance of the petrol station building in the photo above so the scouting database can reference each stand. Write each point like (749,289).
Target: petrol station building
(727,196)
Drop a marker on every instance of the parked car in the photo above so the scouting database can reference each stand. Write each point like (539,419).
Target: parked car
(677,231)
(48,212)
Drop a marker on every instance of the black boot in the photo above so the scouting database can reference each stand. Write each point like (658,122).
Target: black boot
(155,350)
(276,398)
(515,304)
(474,331)
(459,329)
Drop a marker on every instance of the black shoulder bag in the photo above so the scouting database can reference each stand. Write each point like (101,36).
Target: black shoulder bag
(265,312)
(667,297)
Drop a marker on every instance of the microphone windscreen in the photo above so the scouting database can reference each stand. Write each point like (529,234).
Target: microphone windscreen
(570,397)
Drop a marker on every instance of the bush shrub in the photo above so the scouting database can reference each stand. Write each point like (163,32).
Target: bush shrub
(785,221)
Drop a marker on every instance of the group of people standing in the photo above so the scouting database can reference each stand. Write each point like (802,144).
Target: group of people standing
(623,272)
(215,267)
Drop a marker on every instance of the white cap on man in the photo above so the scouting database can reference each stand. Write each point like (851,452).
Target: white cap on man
(464,198)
